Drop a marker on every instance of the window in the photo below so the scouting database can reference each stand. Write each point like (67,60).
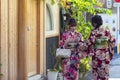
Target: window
(49,20)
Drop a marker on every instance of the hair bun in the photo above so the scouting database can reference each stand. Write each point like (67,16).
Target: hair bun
(72,22)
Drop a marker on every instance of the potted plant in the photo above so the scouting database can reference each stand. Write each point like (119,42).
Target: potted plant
(54,73)
(58,66)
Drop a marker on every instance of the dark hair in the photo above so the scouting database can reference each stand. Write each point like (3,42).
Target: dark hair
(72,22)
(97,19)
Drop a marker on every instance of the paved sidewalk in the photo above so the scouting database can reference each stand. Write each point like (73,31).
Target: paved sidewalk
(115,67)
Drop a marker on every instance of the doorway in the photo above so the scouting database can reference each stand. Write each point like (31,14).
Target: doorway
(30,38)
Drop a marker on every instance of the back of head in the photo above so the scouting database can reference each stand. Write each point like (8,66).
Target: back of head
(97,19)
(72,22)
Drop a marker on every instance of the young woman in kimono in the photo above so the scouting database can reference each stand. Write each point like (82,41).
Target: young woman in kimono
(70,65)
(100,45)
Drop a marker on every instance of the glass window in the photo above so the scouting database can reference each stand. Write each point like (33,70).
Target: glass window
(49,20)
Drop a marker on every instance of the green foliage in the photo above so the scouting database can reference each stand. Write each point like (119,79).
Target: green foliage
(84,67)
(0,73)
(78,8)
(57,65)
(85,64)
(52,2)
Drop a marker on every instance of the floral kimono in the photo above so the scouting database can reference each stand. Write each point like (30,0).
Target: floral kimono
(101,46)
(70,65)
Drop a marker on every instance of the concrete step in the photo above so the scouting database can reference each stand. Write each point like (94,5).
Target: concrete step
(37,77)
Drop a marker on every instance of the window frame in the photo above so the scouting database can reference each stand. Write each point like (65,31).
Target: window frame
(55,30)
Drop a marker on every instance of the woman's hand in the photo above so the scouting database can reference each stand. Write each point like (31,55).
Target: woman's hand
(82,46)
(69,41)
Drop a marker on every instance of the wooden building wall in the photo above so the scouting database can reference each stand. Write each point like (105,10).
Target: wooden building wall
(8,39)
(22,35)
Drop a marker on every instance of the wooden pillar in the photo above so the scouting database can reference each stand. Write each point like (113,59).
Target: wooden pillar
(4,38)
(38,37)
(42,38)
(22,40)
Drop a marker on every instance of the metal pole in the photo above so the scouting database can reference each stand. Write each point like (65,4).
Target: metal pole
(118,13)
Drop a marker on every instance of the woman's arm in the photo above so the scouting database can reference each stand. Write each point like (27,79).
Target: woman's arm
(62,42)
(111,42)
(85,48)
(90,43)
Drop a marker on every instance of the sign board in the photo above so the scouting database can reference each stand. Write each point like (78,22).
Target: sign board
(116,4)
(117,0)
(109,3)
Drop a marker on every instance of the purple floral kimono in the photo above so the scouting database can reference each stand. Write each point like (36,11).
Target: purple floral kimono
(98,43)
(70,65)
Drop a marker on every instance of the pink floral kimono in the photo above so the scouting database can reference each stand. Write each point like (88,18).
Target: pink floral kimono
(98,43)
(70,65)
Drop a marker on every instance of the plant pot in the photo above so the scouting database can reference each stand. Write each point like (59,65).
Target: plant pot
(52,75)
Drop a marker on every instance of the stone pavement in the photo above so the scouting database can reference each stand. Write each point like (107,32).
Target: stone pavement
(115,67)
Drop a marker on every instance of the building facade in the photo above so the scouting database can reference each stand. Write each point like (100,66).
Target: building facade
(29,30)
(24,37)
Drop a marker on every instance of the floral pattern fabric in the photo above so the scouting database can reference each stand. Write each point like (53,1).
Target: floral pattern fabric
(70,65)
(100,55)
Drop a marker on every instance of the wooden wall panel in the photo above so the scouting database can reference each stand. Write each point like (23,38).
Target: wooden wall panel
(42,38)
(41,48)
(27,38)
(31,36)
(15,19)
(4,38)
(12,36)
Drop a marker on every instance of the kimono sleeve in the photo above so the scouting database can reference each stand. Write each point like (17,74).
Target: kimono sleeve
(86,47)
(62,41)
(111,43)
(90,44)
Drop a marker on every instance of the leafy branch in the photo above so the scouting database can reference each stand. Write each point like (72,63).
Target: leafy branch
(79,8)
(58,63)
